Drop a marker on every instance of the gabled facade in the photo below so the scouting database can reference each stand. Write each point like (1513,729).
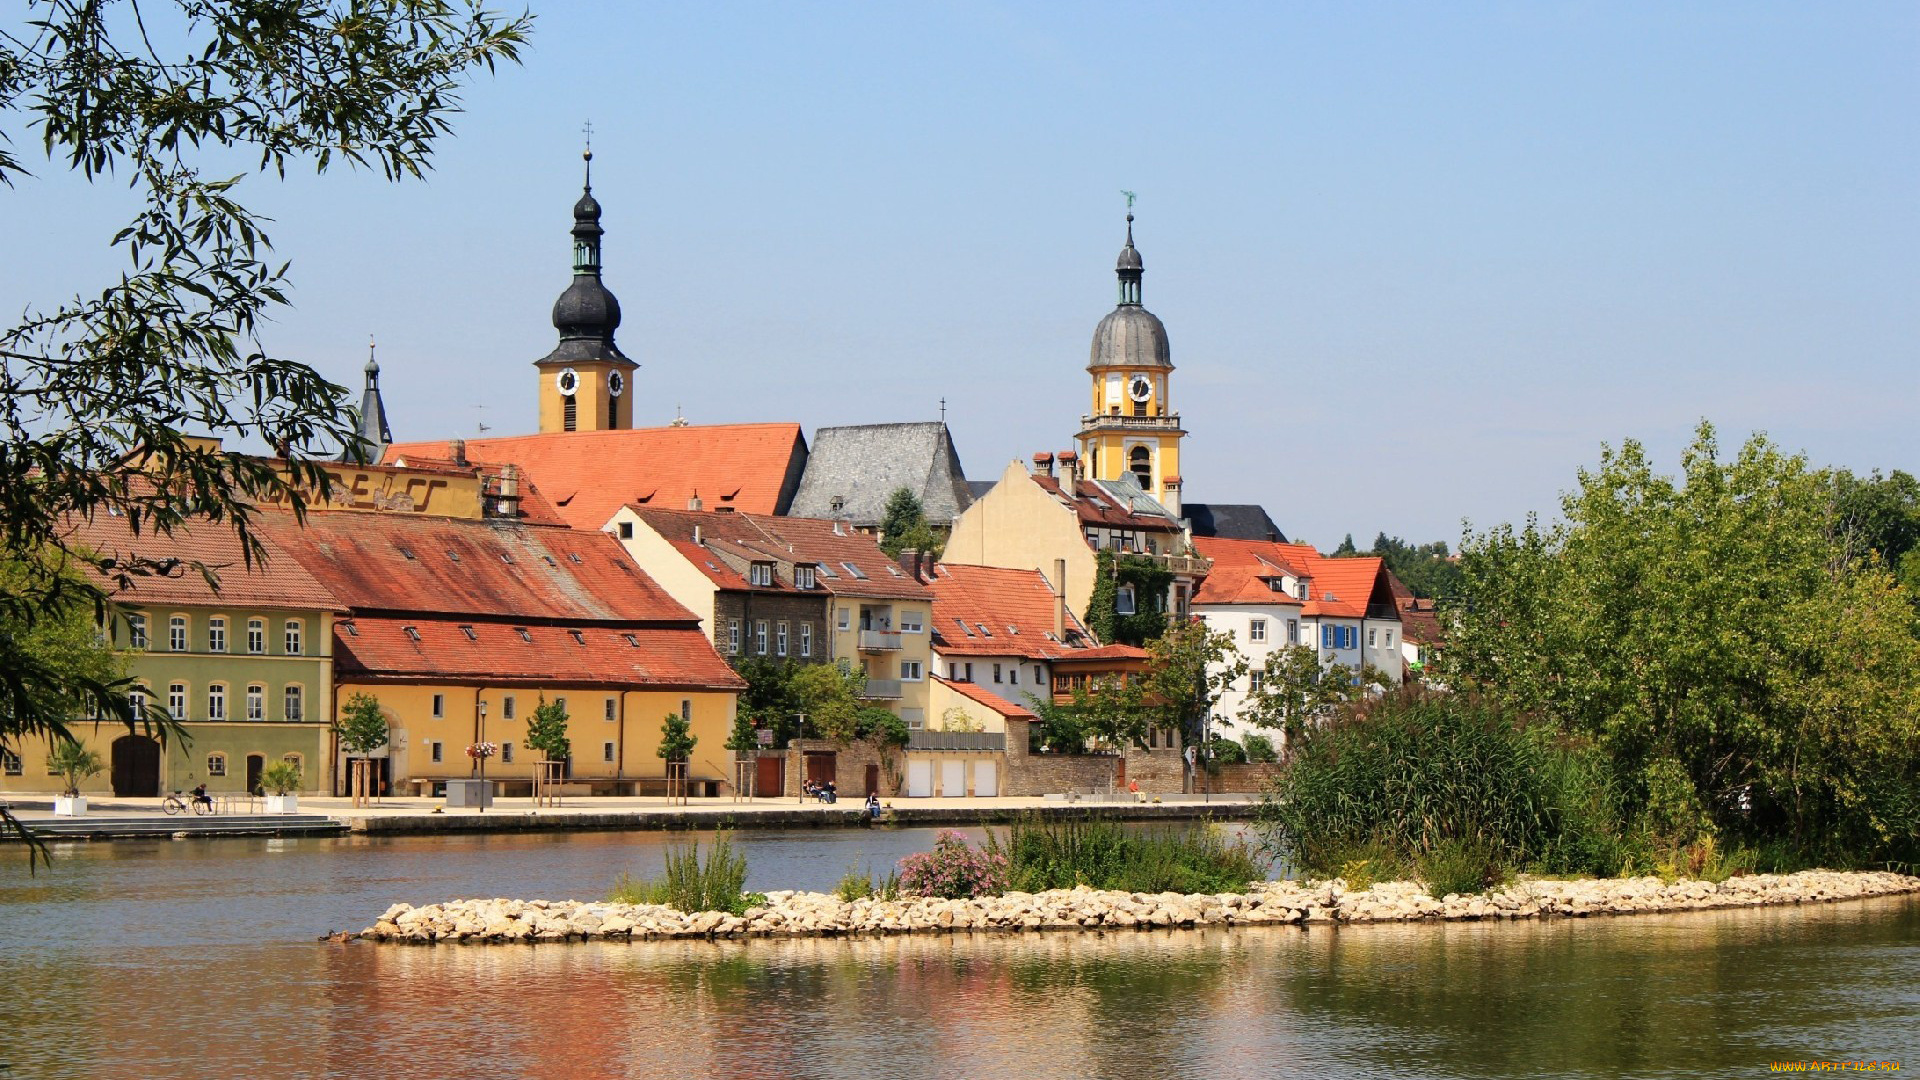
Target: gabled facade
(996,635)
(852,472)
(1033,520)
(1272,596)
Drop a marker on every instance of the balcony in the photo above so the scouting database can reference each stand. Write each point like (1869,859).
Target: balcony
(880,641)
(882,690)
(1131,423)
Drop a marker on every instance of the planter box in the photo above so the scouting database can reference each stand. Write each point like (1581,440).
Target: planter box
(283,804)
(70,805)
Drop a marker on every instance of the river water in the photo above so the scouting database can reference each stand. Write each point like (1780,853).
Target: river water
(198,958)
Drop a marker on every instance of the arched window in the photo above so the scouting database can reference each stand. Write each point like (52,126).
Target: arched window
(256,702)
(177,633)
(216,764)
(1140,461)
(177,701)
(295,630)
(256,636)
(216,702)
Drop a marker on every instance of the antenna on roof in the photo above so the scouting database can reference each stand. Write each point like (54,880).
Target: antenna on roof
(943,410)
(481,423)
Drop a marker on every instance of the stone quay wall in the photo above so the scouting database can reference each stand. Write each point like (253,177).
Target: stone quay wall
(803,914)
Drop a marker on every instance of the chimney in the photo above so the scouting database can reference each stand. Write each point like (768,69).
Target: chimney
(1043,463)
(694,503)
(510,490)
(697,541)
(457,450)
(910,562)
(1172,499)
(1060,600)
(838,529)
(1069,465)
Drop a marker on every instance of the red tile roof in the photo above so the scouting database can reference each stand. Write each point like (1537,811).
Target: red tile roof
(1419,620)
(281,581)
(442,649)
(999,705)
(1106,652)
(786,541)
(1015,608)
(1353,582)
(409,563)
(1098,506)
(587,475)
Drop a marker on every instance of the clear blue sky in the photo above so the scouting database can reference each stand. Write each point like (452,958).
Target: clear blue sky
(1417,261)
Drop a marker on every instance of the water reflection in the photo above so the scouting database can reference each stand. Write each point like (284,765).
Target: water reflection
(145,965)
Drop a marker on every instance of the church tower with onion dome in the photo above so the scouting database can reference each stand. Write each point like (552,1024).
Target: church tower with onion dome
(586,381)
(1131,428)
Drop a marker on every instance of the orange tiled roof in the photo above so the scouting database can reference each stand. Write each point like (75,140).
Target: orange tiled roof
(1419,619)
(478,569)
(1104,654)
(785,541)
(1352,581)
(439,649)
(979,696)
(1097,507)
(990,611)
(587,475)
(281,581)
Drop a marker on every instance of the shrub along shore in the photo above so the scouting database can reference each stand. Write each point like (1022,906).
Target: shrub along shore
(809,914)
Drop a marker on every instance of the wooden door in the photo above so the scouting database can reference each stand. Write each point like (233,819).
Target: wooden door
(822,766)
(770,777)
(256,764)
(873,779)
(136,766)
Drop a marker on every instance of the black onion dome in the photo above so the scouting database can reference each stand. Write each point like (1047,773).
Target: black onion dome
(587,309)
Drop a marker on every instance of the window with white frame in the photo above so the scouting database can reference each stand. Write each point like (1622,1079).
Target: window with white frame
(296,630)
(137,630)
(177,633)
(295,702)
(256,702)
(844,619)
(137,698)
(910,670)
(911,622)
(806,639)
(217,634)
(1123,601)
(216,764)
(612,708)
(780,638)
(256,636)
(760,573)
(1255,680)
(1257,630)
(216,702)
(177,701)
(1293,631)
(733,637)
(803,577)
(760,637)
(1373,637)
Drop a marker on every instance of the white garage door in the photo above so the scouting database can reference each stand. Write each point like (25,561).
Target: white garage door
(953,779)
(986,778)
(919,779)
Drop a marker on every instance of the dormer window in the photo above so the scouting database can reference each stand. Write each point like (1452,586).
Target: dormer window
(803,577)
(760,573)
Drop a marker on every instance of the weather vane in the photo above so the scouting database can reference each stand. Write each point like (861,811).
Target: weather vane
(587,130)
(1130,197)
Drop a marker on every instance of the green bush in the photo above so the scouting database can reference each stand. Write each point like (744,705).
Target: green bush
(1260,749)
(689,884)
(1448,784)
(1104,855)
(858,884)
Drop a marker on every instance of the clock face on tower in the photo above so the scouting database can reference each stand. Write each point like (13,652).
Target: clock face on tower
(616,383)
(1140,389)
(568,380)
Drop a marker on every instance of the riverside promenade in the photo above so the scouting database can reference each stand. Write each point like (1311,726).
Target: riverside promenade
(113,818)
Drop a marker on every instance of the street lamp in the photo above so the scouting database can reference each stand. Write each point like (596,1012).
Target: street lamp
(482,758)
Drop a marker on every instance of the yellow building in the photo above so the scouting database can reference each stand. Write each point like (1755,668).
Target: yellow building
(1130,425)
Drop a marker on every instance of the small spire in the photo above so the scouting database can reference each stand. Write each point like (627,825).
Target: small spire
(1129,265)
(587,154)
(373,366)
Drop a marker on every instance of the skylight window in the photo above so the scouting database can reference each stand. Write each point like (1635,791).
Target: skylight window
(506,558)
(524,635)
(573,556)
(631,640)
(408,552)
(578,637)
(984,632)
(964,628)
(855,571)
(352,630)
(550,561)
(452,554)
(827,571)
(412,634)
(1012,629)
(471,636)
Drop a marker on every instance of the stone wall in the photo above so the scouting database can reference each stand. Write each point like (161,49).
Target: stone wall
(1159,771)
(1049,774)
(850,760)
(1251,779)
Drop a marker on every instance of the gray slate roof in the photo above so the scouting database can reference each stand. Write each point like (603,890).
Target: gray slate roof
(1233,521)
(861,465)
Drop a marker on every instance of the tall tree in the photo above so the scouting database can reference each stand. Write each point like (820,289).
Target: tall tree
(904,526)
(1189,668)
(676,738)
(101,394)
(830,696)
(1296,691)
(1743,673)
(1428,570)
(547,730)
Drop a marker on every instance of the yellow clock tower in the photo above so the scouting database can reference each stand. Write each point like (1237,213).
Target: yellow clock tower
(586,381)
(1131,428)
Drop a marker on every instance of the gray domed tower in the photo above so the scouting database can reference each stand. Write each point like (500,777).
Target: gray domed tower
(585,382)
(1131,430)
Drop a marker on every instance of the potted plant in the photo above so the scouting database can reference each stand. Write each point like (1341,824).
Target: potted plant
(76,764)
(282,780)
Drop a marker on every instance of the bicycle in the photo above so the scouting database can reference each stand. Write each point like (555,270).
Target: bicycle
(200,802)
